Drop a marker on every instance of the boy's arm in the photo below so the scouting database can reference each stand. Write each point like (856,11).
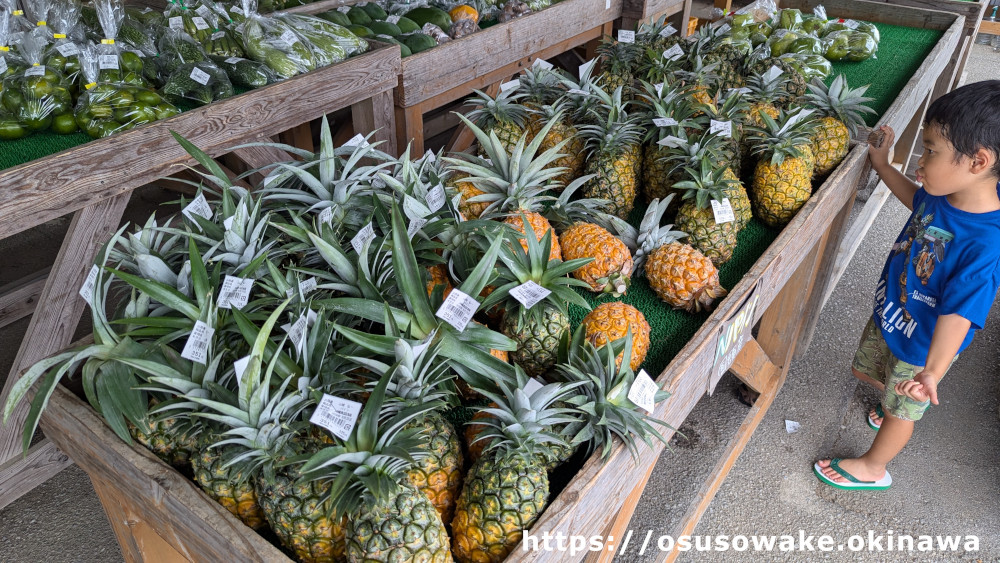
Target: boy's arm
(949,332)
(901,186)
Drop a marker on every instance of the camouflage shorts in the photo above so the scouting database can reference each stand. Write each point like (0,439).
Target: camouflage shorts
(874,359)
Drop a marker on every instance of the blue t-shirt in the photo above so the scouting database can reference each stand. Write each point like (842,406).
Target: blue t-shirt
(948,261)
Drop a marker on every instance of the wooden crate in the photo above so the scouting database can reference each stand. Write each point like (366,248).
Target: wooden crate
(94,181)
(150,506)
(636,11)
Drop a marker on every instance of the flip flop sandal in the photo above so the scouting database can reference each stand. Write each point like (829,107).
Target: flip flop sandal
(853,482)
(878,413)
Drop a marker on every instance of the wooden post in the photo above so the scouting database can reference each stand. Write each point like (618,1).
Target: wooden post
(19,298)
(377,114)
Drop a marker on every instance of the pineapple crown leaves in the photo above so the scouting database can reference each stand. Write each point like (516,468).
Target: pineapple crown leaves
(765,88)
(492,111)
(650,235)
(687,152)
(649,31)
(617,56)
(370,465)
(704,184)
(521,425)
(569,210)
(700,73)
(733,107)
(420,374)
(612,136)
(603,403)
(839,101)
(540,85)
(783,137)
(580,103)
(149,252)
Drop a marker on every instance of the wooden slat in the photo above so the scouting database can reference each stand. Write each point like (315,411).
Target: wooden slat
(991,27)
(19,298)
(253,158)
(50,187)
(753,367)
(636,11)
(138,541)
(23,473)
(856,234)
(375,114)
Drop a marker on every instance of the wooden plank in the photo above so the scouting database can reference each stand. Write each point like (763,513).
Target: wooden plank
(854,236)
(138,541)
(50,187)
(376,114)
(875,10)
(619,526)
(53,328)
(990,27)
(21,474)
(637,11)
(299,136)
(410,128)
(753,367)
(19,298)
(253,158)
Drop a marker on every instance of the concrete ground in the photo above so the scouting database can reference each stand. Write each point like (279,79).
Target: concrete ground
(946,480)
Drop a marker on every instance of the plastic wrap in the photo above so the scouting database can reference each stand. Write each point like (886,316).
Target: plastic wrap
(177,48)
(861,46)
(463,27)
(63,54)
(275,43)
(38,12)
(185,19)
(221,41)
(815,66)
(836,44)
(761,10)
(326,37)
(246,73)
(789,18)
(439,35)
(10,61)
(115,63)
(781,41)
(19,21)
(201,83)
(807,45)
(38,95)
(106,108)
(812,24)
(513,9)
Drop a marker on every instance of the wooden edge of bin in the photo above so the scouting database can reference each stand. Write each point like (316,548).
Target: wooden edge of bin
(634,11)
(50,187)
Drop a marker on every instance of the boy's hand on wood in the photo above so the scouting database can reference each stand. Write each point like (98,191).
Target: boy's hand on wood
(879,144)
(921,388)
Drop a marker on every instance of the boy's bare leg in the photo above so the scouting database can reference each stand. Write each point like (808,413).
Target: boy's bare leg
(876,384)
(889,441)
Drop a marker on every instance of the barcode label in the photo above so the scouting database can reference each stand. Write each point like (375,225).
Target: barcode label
(326,216)
(773,73)
(392,19)
(176,23)
(738,91)
(233,60)
(87,291)
(673,53)
(664,121)
(68,49)
(415,226)
(509,85)
(336,415)
(200,76)
(200,23)
(364,236)
(457,309)
(659,88)
(529,293)
(196,347)
(723,128)
(235,292)
(357,141)
(643,391)
(198,207)
(724,29)
(36,71)
(668,31)
(289,37)
(108,62)
(297,333)
(435,198)
(626,36)
(305,286)
(218,35)
(852,24)
(203,11)
(723,211)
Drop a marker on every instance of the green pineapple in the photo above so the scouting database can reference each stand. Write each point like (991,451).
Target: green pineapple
(727,56)
(840,110)
(502,115)
(618,60)
(782,179)
(794,82)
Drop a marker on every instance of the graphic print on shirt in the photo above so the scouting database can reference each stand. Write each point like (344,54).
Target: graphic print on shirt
(931,242)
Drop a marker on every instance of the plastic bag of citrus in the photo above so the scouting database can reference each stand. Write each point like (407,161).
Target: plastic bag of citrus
(10,61)
(115,64)
(63,54)
(106,108)
(38,95)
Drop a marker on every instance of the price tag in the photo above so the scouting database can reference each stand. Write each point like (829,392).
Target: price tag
(196,347)
(326,216)
(365,235)
(200,76)
(413,208)
(240,366)
(723,128)
(108,62)
(289,37)
(203,11)
(723,211)
(670,141)
(659,88)
(336,415)
(68,49)
(357,141)
(35,71)
(435,198)
(673,53)
(529,293)
(664,121)
(531,386)
(772,73)
(198,207)
(392,19)
(218,35)
(668,31)
(585,68)
(305,287)
(851,24)
(733,334)
(510,85)
(741,91)
(429,156)
(546,65)
(724,29)
(643,391)
(607,4)
(457,309)
(87,291)
(343,9)
(415,226)
(233,60)
(200,23)
(176,23)
(626,36)
(579,92)
(297,332)
(235,292)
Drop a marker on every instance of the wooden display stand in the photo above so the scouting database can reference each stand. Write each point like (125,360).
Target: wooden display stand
(637,11)
(94,182)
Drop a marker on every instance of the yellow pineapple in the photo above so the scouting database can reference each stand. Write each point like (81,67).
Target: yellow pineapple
(702,189)
(614,154)
(573,158)
(613,320)
(782,179)
(501,115)
(840,108)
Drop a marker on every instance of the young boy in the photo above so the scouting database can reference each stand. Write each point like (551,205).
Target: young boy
(940,279)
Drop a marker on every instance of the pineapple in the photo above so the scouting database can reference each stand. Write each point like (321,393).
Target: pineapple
(782,178)
(613,320)
(702,78)
(653,35)
(168,438)
(840,108)
(437,276)
(540,87)
(508,487)
(614,155)
(723,53)
(573,159)
(502,116)
(732,109)
(793,81)
(670,103)
(458,182)
(617,60)
(696,216)
(765,93)
(227,486)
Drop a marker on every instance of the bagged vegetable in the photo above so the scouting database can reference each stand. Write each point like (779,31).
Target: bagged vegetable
(106,108)
(789,18)
(275,43)
(38,95)
(201,83)
(244,72)
(10,61)
(810,66)
(761,10)
(18,20)
(812,24)
(177,48)
(182,18)
(807,45)
(36,12)
(221,41)
(836,44)
(115,63)
(861,46)
(329,41)
(781,41)
(63,53)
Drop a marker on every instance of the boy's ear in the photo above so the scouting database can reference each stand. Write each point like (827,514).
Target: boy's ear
(983,161)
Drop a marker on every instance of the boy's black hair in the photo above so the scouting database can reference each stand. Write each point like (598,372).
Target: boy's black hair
(969,118)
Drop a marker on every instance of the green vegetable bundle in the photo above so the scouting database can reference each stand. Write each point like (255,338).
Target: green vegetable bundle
(201,83)
(66,39)
(177,48)
(244,72)
(275,43)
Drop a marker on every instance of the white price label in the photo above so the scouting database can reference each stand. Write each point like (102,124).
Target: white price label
(108,62)
(233,60)
(35,71)
(365,235)
(429,156)
(529,293)
(643,391)
(509,85)
(851,24)
(531,386)
(357,141)
(413,208)
(724,29)
(305,286)
(68,49)
(203,11)
(670,141)
(723,128)
(740,91)
(668,31)
(344,9)
(541,63)
(579,92)
(200,23)
(289,37)
(336,415)
(392,19)
(176,23)
(200,76)
(415,226)
(326,216)
(87,291)
(659,88)
(607,4)
(435,198)
(772,73)
(626,36)
(673,53)
(723,211)
(198,207)
(218,35)
(297,332)
(235,292)
(196,347)
(664,121)
(458,309)
(240,366)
